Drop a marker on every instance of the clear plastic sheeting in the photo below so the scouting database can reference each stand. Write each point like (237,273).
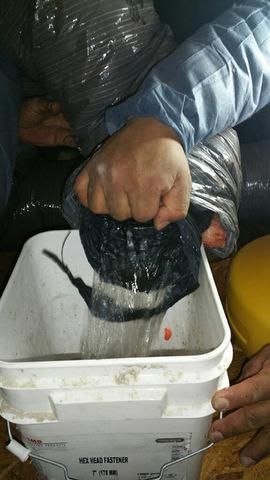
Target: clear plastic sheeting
(215,167)
(255,199)
(86,54)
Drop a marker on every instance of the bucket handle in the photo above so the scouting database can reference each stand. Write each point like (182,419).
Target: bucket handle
(109,403)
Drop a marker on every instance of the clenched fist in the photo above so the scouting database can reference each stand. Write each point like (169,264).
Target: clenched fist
(139,172)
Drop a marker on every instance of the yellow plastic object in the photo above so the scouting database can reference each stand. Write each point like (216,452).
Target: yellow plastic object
(248,295)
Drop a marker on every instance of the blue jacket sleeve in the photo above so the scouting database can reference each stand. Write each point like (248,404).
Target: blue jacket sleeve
(10,96)
(216,79)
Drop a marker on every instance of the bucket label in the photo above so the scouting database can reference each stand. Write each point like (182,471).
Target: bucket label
(180,446)
(92,460)
(125,456)
(141,457)
(177,447)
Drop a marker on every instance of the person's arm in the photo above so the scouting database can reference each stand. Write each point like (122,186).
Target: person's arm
(216,79)
(10,98)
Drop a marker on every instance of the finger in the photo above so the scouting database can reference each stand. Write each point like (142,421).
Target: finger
(40,106)
(251,390)
(118,204)
(33,111)
(257,448)
(56,120)
(105,196)
(243,420)
(144,205)
(175,202)
(47,136)
(96,198)
(81,187)
(256,363)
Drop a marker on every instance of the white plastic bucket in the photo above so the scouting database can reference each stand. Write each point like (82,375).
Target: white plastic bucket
(118,419)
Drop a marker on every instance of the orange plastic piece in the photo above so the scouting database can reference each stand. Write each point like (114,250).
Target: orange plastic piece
(167,334)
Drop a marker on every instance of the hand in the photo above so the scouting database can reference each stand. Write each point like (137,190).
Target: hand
(42,123)
(215,236)
(140,172)
(250,402)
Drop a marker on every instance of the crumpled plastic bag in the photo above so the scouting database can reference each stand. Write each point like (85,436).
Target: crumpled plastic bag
(215,167)
(88,55)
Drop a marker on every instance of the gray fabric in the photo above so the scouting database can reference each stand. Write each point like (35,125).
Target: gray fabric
(87,54)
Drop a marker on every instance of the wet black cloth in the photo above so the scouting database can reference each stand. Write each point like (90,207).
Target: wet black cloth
(132,258)
(164,265)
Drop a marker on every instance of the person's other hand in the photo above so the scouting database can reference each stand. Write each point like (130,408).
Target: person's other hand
(249,401)
(215,236)
(140,172)
(41,123)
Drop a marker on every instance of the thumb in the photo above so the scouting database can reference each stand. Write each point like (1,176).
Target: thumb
(175,203)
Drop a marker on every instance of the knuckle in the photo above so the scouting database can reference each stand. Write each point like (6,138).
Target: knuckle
(229,427)
(118,175)
(148,183)
(259,446)
(251,418)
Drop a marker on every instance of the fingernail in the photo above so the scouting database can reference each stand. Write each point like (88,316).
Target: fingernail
(162,225)
(221,404)
(247,461)
(216,437)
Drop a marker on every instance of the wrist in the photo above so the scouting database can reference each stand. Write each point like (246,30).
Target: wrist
(158,129)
